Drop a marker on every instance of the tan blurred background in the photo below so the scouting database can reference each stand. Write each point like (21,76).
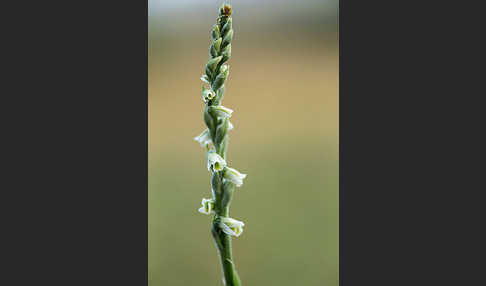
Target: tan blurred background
(283,88)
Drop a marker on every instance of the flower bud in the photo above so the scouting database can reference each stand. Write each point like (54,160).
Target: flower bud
(231,226)
(215,162)
(207,206)
(228,38)
(225,10)
(220,79)
(219,95)
(233,176)
(215,33)
(224,69)
(215,48)
(227,26)
(226,53)
(205,78)
(204,138)
(220,111)
(212,63)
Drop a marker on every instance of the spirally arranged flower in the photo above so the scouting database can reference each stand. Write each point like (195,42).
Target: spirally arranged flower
(204,138)
(233,176)
(207,206)
(231,226)
(215,162)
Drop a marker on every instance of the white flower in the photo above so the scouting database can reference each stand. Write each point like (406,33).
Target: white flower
(231,226)
(234,176)
(207,206)
(230,126)
(204,138)
(205,78)
(215,162)
(221,111)
(207,94)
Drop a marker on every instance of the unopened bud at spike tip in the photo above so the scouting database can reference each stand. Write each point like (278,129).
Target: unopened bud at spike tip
(225,10)
(215,33)
(228,26)
(228,38)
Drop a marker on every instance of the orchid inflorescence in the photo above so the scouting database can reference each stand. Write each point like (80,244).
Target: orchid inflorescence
(215,141)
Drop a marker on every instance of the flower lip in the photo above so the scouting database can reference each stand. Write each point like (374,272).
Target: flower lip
(208,95)
(205,78)
(231,226)
(234,176)
(207,206)
(215,162)
(204,138)
(222,111)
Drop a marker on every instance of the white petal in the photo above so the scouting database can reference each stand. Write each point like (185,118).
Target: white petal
(222,111)
(234,176)
(204,138)
(214,160)
(226,229)
(204,78)
(231,226)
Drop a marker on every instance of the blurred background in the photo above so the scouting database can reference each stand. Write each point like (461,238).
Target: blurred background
(283,88)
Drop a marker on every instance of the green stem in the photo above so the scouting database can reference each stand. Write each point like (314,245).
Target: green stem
(223,244)
(223,240)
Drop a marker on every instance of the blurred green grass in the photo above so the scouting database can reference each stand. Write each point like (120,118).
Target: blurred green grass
(283,86)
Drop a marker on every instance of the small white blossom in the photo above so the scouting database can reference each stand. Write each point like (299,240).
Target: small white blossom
(231,226)
(207,94)
(204,138)
(215,162)
(222,111)
(234,176)
(205,78)
(230,126)
(207,206)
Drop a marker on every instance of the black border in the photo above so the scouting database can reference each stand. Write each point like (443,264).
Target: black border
(407,143)
(78,175)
